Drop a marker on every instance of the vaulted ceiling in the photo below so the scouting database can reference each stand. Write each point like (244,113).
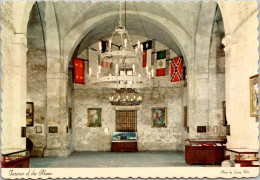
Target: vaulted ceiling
(69,15)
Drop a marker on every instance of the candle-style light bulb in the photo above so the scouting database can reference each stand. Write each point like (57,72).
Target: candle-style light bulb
(110,44)
(146,69)
(152,73)
(134,97)
(100,45)
(142,48)
(138,44)
(99,69)
(90,71)
(116,70)
(126,43)
(133,68)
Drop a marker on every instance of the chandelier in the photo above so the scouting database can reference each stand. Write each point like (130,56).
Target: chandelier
(126,71)
(125,97)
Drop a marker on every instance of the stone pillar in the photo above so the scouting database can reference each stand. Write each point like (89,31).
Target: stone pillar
(198,77)
(13,81)
(241,53)
(57,143)
(18,117)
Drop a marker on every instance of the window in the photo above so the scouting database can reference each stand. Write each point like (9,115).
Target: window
(126,121)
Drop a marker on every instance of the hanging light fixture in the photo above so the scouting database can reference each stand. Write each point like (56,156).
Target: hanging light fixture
(127,71)
(125,97)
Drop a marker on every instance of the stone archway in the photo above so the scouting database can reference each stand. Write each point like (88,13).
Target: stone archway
(72,39)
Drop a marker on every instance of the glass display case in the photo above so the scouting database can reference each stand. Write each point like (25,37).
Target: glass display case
(123,136)
(205,151)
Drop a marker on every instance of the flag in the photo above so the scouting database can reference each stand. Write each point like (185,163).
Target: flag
(78,71)
(147,53)
(161,63)
(106,64)
(176,69)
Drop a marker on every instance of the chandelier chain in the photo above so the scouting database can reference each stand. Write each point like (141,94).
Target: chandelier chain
(120,14)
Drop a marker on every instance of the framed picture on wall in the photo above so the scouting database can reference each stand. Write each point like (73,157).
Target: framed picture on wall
(159,117)
(253,84)
(94,117)
(29,113)
(38,129)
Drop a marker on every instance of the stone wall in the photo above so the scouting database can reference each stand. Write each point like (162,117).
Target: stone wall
(36,93)
(149,138)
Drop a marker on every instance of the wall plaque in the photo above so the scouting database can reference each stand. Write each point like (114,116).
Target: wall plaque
(201,129)
(53,129)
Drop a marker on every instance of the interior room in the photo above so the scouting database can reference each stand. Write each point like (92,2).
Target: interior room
(130,84)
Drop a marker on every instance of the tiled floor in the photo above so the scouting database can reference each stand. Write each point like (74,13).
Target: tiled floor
(113,159)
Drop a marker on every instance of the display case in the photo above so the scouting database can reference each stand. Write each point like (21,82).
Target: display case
(123,141)
(118,136)
(204,151)
(18,159)
(245,157)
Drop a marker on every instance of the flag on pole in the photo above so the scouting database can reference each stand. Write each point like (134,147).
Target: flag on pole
(78,71)
(161,63)
(147,53)
(176,69)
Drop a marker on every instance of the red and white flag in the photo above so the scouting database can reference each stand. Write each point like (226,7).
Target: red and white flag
(161,63)
(147,53)
(176,69)
(78,71)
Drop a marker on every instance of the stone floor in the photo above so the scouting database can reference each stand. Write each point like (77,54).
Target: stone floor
(113,159)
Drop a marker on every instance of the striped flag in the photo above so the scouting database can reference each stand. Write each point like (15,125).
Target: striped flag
(176,69)
(147,53)
(78,71)
(161,63)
